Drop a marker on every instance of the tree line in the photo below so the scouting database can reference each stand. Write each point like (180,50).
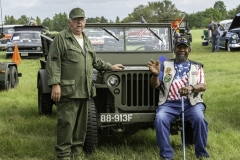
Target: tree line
(153,12)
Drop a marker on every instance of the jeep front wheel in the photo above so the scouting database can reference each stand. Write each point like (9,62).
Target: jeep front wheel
(45,102)
(91,140)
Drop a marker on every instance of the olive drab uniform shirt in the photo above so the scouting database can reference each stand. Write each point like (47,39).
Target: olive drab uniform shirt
(70,67)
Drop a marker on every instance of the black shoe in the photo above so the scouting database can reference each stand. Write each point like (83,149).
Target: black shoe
(202,157)
(163,158)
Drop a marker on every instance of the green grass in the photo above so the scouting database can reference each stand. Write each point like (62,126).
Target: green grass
(25,135)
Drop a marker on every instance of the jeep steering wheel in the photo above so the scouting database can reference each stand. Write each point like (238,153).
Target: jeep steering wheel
(153,47)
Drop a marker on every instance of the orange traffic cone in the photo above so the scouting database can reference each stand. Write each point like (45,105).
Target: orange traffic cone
(16,56)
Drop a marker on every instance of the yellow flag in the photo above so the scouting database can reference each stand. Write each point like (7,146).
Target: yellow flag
(16,56)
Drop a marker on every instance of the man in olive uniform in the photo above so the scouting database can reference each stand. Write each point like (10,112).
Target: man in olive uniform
(69,68)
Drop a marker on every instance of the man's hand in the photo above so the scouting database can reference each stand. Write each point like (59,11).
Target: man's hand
(154,67)
(56,92)
(117,67)
(184,91)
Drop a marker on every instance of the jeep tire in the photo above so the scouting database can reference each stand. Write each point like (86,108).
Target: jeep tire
(45,102)
(91,140)
(14,76)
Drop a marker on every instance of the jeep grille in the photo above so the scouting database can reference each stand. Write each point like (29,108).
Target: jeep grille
(137,91)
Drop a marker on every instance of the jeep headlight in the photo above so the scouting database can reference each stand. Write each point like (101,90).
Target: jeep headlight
(112,81)
(9,49)
(38,48)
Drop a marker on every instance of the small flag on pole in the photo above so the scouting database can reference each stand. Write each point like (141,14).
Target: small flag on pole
(16,56)
(143,29)
(176,24)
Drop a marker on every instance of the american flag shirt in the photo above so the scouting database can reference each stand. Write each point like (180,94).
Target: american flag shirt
(180,79)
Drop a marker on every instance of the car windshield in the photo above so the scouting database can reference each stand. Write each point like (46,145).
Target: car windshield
(228,25)
(7,30)
(129,39)
(26,37)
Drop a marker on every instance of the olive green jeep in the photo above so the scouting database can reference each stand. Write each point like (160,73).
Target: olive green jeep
(184,29)
(125,101)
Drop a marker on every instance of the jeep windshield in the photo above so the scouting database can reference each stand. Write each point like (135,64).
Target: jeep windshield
(136,38)
(134,44)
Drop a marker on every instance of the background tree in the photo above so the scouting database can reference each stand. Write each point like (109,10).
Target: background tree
(154,12)
(117,20)
(220,6)
(10,20)
(60,22)
(136,15)
(97,20)
(38,20)
(211,13)
(198,20)
(231,13)
(48,23)
(237,9)
(23,20)
(165,10)
(103,20)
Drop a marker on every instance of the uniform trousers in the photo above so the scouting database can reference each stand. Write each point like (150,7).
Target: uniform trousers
(71,126)
(170,111)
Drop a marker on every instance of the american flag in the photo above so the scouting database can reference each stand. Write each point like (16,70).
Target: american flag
(182,82)
(143,29)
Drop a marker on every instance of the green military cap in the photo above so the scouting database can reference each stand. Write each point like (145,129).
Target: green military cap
(76,12)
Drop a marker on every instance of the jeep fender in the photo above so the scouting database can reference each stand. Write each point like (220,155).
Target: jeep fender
(42,76)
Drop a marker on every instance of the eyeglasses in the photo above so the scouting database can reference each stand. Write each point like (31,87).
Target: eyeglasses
(79,19)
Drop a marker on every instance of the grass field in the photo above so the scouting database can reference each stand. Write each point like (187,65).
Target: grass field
(24,135)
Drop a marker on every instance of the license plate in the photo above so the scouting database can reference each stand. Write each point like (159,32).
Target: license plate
(24,54)
(112,117)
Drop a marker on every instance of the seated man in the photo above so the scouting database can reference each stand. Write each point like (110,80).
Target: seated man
(179,77)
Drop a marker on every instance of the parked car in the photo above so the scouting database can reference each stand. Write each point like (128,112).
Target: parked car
(97,37)
(229,35)
(28,41)
(139,35)
(6,33)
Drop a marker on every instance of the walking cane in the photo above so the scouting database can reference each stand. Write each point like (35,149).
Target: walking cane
(183,129)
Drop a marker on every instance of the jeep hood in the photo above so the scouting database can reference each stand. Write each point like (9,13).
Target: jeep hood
(235,22)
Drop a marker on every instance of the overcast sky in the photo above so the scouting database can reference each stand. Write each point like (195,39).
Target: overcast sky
(110,9)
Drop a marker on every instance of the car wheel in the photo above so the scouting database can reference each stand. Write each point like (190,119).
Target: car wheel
(228,47)
(14,76)
(45,102)
(91,140)
(8,82)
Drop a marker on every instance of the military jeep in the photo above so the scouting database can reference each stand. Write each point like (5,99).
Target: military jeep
(184,29)
(125,101)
